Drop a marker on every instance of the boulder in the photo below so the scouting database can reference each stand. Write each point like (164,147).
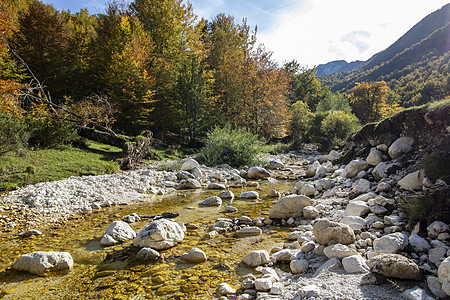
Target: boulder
(381,171)
(435,287)
(435,255)
(391,243)
(436,228)
(328,233)
(400,146)
(275,165)
(226,195)
(329,157)
(147,254)
(312,169)
(330,265)
(307,190)
(274,193)
(189,183)
(264,283)
(131,218)
(249,195)
(189,164)
(117,232)
(230,209)
(194,256)
(310,212)
(412,181)
(216,186)
(299,266)
(41,262)
(211,201)
(257,173)
(256,258)
(251,230)
(339,251)
(361,186)
(324,184)
(354,167)
(355,264)
(290,206)
(160,234)
(416,293)
(418,243)
(395,266)
(225,289)
(356,208)
(375,157)
(444,275)
(355,222)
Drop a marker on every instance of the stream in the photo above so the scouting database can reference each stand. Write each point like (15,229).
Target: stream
(114,273)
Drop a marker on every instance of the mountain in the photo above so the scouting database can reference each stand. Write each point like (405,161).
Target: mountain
(419,59)
(338,66)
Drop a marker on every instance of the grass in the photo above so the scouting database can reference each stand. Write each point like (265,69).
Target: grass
(18,169)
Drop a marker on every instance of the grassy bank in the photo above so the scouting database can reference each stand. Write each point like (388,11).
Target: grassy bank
(32,166)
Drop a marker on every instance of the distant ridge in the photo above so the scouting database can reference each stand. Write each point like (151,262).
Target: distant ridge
(338,66)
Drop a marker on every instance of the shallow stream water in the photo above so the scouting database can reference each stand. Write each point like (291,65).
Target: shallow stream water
(113,272)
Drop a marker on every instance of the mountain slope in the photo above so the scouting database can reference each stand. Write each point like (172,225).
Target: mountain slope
(338,66)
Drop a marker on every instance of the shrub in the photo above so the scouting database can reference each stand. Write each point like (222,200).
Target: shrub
(52,133)
(437,166)
(301,119)
(234,147)
(337,126)
(14,133)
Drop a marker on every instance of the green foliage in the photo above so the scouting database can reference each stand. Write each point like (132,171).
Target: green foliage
(275,148)
(235,147)
(301,121)
(14,133)
(332,102)
(49,133)
(337,126)
(437,166)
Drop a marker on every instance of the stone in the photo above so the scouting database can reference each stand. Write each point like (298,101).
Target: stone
(290,206)
(131,218)
(274,194)
(30,233)
(372,279)
(41,262)
(189,183)
(308,246)
(444,275)
(381,171)
(355,264)
(184,175)
(275,165)
(435,228)
(436,254)
(391,243)
(310,212)
(230,209)
(311,291)
(375,157)
(284,255)
(395,266)
(416,293)
(147,254)
(321,172)
(256,258)
(412,181)
(356,208)
(249,195)
(225,289)
(117,232)
(299,266)
(355,222)
(189,164)
(361,186)
(327,233)
(332,264)
(197,172)
(339,251)
(277,288)
(257,173)
(248,283)
(324,184)
(194,256)
(383,187)
(160,234)
(226,195)
(400,146)
(329,157)
(354,167)
(435,287)
(211,201)
(251,230)
(311,170)
(378,209)
(418,243)
(216,186)
(264,283)
(307,190)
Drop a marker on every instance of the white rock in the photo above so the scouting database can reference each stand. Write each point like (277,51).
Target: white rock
(216,186)
(327,233)
(147,254)
(375,157)
(299,266)
(383,187)
(310,212)
(400,146)
(230,209)
(284,255)
(444,275)
(356,208)
(160,234)
(307,190)
(381,170)
(211,201)
(273,193)
(226,195)
(361,186)
(30,233)
(355,264)
(117,232)
(391,243)
(264,283)
(435,228)
(330,265)
(225,289)
(412,181)
(324,184)
(41,262)
(195,255)
(435,287)
(321,172)
(416,293)
(339,251)
(309,292)
(275,165)
(189,164)
(289,207)
(249,195)
(257,173)
(251,230)
(354,167)
(308,247)
(186,184)
(418,243)
(256,258)
(131,218)
(311,171)
(436,254)
(277,288)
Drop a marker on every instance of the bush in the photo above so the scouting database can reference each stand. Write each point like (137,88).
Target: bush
(49,133)
(14,134)
(301,119)
(437,166)
(337,126)
(234,147)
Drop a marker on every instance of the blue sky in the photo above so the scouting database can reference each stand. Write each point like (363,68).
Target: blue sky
(311,31)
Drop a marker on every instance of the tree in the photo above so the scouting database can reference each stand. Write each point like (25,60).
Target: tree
(307,88)
(337,126)
(332,102)
(301,118)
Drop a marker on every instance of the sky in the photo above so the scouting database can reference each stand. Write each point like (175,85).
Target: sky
(311,31)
